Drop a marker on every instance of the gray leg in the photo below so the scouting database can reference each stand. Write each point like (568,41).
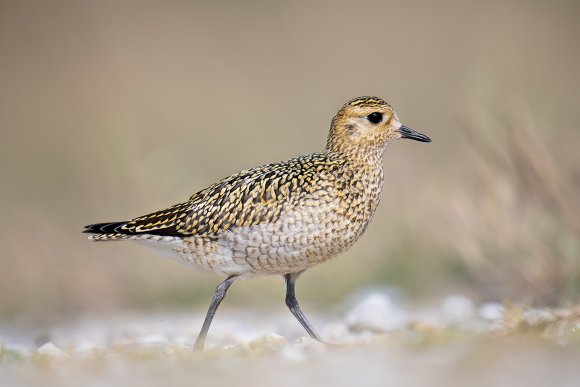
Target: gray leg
(292,303)
(218,296)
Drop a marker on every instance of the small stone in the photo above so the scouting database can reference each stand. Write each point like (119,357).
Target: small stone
(491,311)
(538,316)
(152,340)
(269,341)
(457,308)
(237,350)
(51,350)
(376,312)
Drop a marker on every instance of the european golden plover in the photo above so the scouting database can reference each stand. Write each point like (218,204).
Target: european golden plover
(280,218)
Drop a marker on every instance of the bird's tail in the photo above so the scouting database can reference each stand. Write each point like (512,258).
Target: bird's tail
(107,231)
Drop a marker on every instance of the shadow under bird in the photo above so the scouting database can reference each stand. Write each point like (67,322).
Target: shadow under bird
(279,218)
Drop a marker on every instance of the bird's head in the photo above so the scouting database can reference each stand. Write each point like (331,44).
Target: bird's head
(367,124)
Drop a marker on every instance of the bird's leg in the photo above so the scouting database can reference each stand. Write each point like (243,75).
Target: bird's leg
(292,304)
(218,296)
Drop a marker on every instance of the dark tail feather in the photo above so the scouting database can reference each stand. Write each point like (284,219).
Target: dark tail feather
(105,228)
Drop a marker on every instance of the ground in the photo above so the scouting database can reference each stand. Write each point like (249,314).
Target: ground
(378,340)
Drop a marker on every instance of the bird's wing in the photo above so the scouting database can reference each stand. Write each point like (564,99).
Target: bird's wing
(254,196)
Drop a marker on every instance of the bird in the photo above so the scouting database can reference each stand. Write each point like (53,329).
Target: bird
(280,218)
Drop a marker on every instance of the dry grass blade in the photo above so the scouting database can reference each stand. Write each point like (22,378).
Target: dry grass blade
(523,223)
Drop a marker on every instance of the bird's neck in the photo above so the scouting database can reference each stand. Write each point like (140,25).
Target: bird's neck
(365,166)
(367,157)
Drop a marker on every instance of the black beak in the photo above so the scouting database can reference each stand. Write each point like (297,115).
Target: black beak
(410,133)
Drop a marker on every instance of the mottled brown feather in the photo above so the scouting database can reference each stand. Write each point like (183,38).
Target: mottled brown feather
(248,198)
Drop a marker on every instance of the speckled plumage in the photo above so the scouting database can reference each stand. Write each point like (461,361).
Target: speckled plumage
(280,218)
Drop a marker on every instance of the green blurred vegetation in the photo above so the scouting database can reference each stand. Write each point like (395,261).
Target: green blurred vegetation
(112,109)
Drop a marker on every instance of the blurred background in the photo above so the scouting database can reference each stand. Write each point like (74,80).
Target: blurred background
(111,109)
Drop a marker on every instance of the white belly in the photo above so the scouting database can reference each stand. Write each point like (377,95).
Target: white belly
(291,244)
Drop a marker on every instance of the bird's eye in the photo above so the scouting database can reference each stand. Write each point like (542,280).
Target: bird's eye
(375,117)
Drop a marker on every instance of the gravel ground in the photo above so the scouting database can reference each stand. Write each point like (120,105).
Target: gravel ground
(377,342)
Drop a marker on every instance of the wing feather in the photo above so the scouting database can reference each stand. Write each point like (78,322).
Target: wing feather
(251,197)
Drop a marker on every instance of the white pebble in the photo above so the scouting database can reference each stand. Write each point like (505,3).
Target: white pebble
(491,311)
(51,350)
(152,340)
(376,312)
(458,307)
(538,316)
